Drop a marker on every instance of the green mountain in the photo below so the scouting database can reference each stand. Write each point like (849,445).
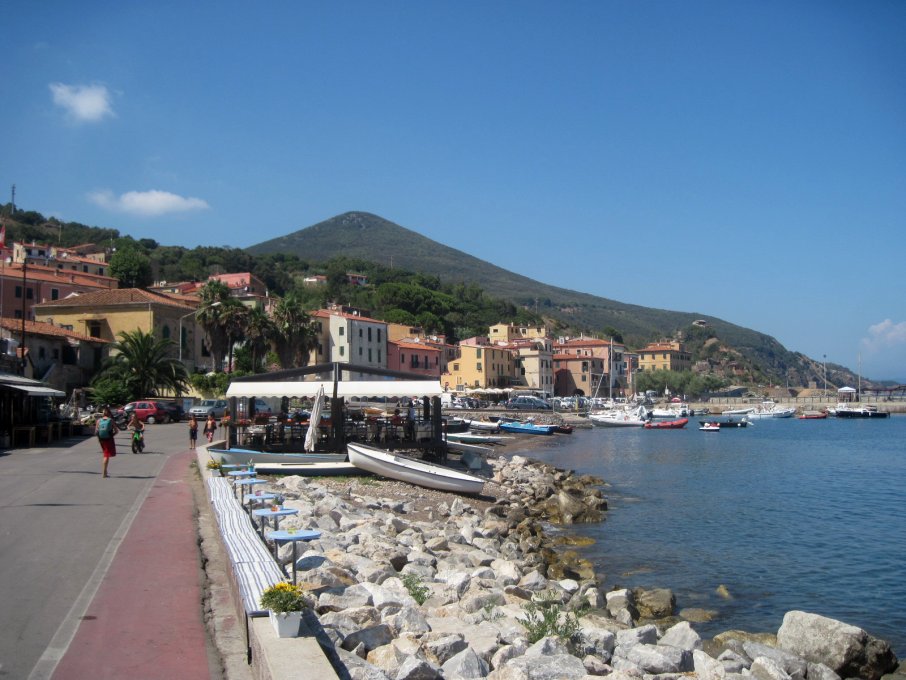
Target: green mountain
(743,352)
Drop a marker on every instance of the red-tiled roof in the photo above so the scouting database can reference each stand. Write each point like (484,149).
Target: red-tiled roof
(121,296)
(53,275)
(45,329)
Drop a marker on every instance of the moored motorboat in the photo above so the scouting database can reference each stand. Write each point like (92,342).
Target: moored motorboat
(677,424)
(859,411)
(620,418)
(710,427)
(813,415)
(738,411)
(770,409)
(725,421)
(417,472)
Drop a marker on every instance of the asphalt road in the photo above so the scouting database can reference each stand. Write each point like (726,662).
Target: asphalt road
(60,526)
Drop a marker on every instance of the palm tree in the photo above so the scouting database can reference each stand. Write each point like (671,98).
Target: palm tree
(215,296)
(259,331)
(295,336)
(143,364)
(234,316)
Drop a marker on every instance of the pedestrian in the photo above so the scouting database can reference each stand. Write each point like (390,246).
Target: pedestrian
(210,427)
(105,429)
(193,431)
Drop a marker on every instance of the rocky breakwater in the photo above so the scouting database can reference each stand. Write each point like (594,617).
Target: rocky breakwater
(409,584)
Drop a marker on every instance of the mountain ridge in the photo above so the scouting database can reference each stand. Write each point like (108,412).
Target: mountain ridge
(365,236)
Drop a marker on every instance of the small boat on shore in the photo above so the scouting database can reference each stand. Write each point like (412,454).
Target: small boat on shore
(469,438)
(523,427)
(308,469)
(482,425)
(813,415)
(253,457)
(429,475)
(677,424)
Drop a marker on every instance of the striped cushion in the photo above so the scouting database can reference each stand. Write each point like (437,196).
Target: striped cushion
(252,579)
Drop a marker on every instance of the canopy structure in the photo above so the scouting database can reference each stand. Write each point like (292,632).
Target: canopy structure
(345,388)
(341,382)
(38,390)
(351,380)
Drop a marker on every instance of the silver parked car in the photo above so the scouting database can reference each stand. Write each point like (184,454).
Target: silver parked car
(215,407)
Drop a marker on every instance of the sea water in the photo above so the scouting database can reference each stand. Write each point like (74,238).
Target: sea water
(785,514)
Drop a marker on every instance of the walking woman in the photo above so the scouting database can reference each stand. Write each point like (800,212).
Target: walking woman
(105,429)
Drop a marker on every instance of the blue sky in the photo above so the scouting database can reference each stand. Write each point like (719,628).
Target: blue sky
(745,160)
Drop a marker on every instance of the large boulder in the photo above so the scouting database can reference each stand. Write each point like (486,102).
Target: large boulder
(656,603)
(847,650)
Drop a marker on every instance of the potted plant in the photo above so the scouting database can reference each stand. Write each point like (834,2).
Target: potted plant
(285,605)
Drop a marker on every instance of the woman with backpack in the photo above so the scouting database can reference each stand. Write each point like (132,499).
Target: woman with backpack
(106,429)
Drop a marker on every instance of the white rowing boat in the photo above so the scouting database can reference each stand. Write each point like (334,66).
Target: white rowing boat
(417,472)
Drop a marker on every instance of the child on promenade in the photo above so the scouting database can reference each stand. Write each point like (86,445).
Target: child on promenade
(193,431)
(210,427)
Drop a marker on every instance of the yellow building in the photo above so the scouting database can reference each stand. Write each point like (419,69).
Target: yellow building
(105,314)
(665,356)
(506,332)
(479,366)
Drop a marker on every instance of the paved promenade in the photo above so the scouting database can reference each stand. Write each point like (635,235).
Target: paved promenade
(146,620)
(102,578)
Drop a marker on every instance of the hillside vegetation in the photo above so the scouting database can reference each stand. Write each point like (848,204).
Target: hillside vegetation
(416,280)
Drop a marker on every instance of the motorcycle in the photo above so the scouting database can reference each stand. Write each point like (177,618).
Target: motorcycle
(138,441)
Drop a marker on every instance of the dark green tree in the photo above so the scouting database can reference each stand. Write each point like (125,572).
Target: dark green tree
(144,365)
(131,267)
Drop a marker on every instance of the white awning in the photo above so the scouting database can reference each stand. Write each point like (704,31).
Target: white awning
(38,391)
(345,388)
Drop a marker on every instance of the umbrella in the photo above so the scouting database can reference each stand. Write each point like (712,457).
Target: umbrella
(312,435)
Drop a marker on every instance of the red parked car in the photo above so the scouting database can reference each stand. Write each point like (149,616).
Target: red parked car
(148,411)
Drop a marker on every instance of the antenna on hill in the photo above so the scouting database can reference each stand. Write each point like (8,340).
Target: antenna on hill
(12,202)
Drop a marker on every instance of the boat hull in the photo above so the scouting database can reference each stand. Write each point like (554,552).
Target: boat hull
(308,469)
(250,456)
(726,422)
(668,424)
(861,413)
(617,420)
(416,472)
(527,428)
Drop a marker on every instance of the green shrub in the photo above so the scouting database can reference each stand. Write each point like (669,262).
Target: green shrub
(415,587)
(544,618)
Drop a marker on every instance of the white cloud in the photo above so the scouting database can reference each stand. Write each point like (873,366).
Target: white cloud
(885,335)
(146,203)
(83,103)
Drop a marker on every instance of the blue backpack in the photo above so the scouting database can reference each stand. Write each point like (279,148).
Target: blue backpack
(105,428)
